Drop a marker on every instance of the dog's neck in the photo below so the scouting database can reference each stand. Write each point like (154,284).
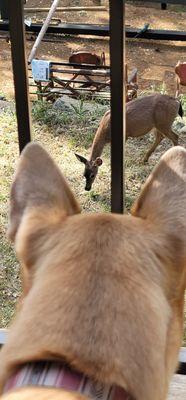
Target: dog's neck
(59,375)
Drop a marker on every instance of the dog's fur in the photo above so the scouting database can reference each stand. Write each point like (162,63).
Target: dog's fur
(104,292)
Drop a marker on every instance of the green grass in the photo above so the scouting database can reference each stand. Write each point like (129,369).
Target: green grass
(178,8)
(9,281)
(63,134)
(9,267)
(78,124)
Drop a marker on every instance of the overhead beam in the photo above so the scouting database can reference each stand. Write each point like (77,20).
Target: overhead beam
(102,30)
(156,34)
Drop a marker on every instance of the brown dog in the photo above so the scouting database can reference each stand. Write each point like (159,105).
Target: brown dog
(102,292)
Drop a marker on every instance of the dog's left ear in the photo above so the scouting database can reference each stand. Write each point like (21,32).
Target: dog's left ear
(163,196)
(38,182)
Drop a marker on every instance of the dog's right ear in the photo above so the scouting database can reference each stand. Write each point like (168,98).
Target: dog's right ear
(81,158)
(163,196)
(38,183)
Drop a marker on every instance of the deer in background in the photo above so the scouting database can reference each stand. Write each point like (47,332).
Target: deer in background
(154,112)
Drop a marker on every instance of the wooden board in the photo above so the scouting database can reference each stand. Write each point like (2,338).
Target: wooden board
(178,388)
(3,336)
(183,2)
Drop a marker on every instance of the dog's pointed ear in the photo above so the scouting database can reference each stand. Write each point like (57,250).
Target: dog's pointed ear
(38,182)
(81,158)
(164,192)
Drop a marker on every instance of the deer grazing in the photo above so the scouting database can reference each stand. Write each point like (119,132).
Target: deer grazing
(153,112)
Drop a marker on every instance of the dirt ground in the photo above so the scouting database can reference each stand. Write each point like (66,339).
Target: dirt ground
(154,60)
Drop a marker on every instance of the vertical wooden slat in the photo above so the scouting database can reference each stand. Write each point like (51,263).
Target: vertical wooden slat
(117,104)
(17,37)
(4,9)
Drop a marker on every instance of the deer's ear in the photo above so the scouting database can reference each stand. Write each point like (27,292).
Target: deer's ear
(81,158)
(38,182)
(98,161)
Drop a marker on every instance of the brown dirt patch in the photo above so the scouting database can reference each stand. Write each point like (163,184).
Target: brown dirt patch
(155,60)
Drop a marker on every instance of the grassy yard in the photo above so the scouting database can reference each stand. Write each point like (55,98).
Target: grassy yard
(63,134)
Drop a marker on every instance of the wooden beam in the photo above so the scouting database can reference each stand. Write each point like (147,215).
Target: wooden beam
(177,390)
(82,71)
(102,30)
(183,2)
(65,9)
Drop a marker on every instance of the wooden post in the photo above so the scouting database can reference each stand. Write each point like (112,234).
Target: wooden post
(117,104)
(4,9)
(17,37)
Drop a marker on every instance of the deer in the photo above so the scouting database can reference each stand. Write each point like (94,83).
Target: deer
(155,112)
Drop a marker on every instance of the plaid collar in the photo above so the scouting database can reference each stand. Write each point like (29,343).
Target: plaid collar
(58,375)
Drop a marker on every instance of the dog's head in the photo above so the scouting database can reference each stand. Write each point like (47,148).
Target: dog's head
(41,200)
(93,283)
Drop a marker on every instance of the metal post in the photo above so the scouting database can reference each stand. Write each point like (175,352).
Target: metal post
(117,104)
(20,71)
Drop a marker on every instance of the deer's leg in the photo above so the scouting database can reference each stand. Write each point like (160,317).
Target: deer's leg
(173,136)
(158,139)
(177,87)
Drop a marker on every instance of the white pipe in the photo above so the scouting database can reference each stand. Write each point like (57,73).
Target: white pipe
(43,30)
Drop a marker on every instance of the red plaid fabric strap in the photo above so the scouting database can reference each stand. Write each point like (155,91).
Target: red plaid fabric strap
(54,374)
